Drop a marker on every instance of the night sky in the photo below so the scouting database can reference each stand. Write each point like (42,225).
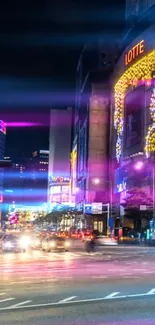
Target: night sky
(39,48)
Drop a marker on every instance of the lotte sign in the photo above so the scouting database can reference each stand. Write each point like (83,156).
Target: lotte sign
(134,52)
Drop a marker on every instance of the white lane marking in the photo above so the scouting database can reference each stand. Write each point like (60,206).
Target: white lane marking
(99,277)
(74,302)
(139,270)
(145,263)
(67,299)
(112,295)
(131,277)
(7,299)
(20,304)
(151,292)
(16,282)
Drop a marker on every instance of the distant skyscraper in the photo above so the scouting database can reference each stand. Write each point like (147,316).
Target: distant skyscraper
(2,149)
(39,169)
(2,138)
(59,156)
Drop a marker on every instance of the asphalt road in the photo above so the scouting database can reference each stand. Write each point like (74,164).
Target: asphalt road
(76,281)
(129,312)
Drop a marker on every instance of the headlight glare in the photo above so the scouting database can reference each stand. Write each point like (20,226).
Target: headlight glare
(67,243)
(24,242)
(7,244)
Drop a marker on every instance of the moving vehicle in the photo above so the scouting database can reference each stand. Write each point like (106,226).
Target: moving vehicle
(105,241)
(15,243)
(86,235)
(37,241)
(90,244)
(55,243)
(1,238)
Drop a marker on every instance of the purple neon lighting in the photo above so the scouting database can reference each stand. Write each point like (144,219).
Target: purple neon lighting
(22,124)
(2,127)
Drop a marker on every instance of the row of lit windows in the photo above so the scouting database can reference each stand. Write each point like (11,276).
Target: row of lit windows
(43,162)
(43,170)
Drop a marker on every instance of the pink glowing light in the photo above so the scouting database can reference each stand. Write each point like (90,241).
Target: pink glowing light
(96,181)
(22,124)
(148,82)
(139,165)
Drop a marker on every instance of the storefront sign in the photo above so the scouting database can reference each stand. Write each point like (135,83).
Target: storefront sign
(59,179)
(74,169)
(87,208)
(121,187)
(134,52)
(96,208)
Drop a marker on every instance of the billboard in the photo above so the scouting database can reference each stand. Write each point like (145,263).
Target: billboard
(133,121)
(59,180)
(74,169)
(121,180)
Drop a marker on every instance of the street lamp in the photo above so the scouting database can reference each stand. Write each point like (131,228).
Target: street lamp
(96,181)
(139,165)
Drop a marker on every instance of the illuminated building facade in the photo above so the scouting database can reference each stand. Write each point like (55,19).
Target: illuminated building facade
(2,150)
(59,158)
(90,148)
(39,169)
(133,110)
(59,191)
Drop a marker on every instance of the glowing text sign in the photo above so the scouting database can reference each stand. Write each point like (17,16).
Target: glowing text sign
(137,50)
(59,179)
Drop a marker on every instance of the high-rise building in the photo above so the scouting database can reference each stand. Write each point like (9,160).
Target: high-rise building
(133,127)
(2,138)
(59,157)
(90,149)
(39,170)
(15,183)
(25,182)
(2,149)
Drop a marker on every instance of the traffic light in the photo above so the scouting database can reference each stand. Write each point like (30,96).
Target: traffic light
(5,163)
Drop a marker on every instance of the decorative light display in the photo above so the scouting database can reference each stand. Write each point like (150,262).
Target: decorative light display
(152,105)
(73,169)
(150,140)
(118,147)
(138,73)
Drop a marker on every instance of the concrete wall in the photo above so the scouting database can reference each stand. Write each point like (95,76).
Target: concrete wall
(98,163)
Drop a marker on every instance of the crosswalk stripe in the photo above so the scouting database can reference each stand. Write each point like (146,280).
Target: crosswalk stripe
(112,295)
(7,299)
(20,304)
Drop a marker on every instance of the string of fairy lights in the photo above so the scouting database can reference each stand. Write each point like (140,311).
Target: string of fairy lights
(150,138)
(136,75)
